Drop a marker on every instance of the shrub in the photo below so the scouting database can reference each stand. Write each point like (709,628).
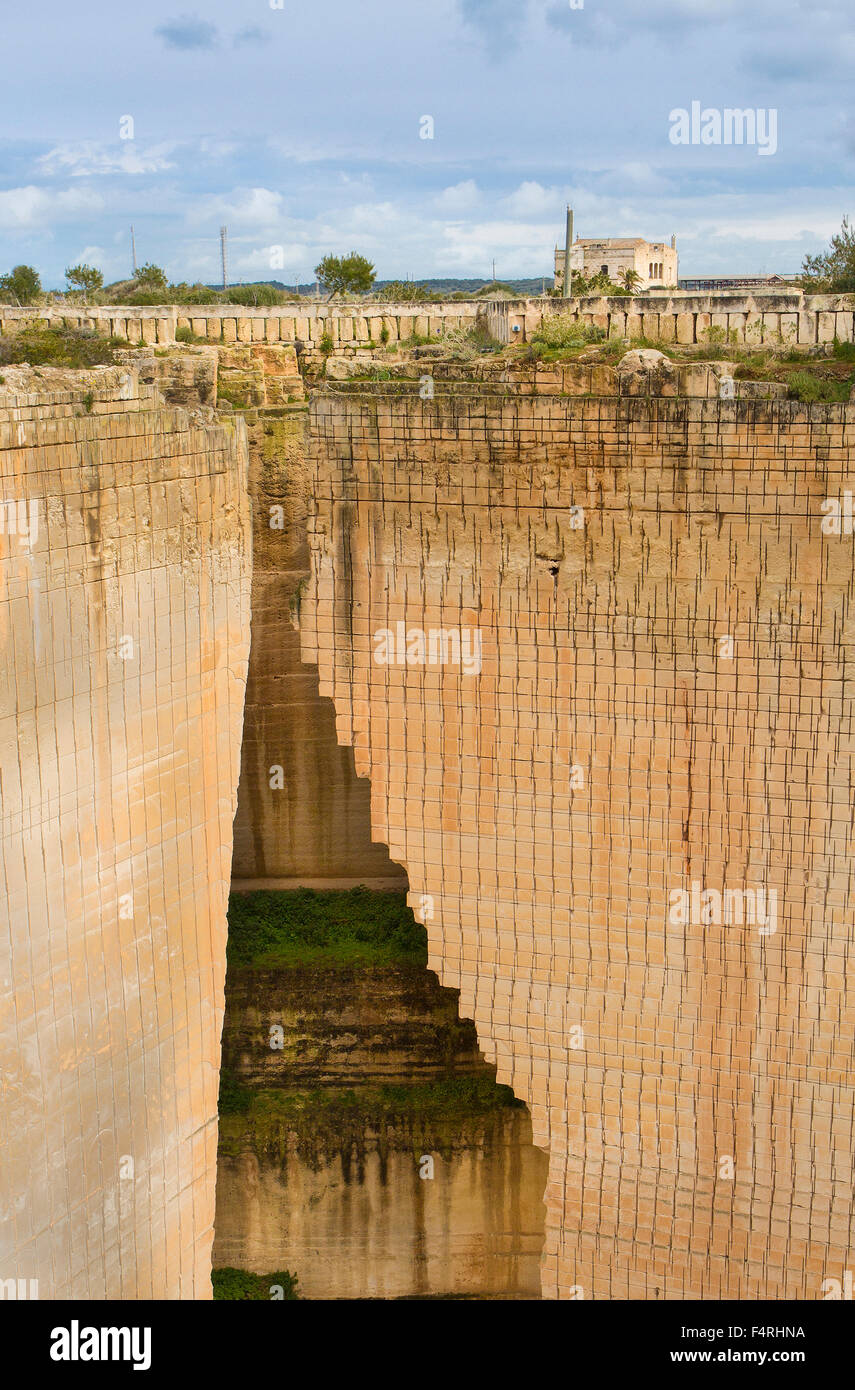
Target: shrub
(230,1283)
(562,331)
(253,295)
(186,335)
(804,386)
(406,292)
(326,344)
(469,343)
(58,347)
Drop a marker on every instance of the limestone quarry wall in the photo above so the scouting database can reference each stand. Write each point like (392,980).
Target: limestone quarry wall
(303,816)
(124,622)
(325,1177)
(661,712)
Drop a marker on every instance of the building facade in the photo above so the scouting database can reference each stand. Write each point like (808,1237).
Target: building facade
(654,262)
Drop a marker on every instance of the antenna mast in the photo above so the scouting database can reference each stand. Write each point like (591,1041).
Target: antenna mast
(224,252)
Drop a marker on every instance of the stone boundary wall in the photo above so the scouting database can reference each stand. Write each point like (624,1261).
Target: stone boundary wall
(788,320)
(685,317)
(348,326)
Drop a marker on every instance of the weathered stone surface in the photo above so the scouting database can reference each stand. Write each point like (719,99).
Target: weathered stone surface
(612,749)
(124,628)
(678,316)
(315,828)
(330,1187)
(644,371)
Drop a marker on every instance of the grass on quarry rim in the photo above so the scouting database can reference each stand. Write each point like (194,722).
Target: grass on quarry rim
(809,379)
(58,347)
(298,927)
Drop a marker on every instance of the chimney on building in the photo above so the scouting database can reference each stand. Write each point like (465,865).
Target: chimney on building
(673,241)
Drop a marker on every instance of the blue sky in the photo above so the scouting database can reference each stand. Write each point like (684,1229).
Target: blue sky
(299,127)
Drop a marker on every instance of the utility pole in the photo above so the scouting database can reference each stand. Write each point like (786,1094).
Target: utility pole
(568,275)
(494,270)
(224,234)
(134,250)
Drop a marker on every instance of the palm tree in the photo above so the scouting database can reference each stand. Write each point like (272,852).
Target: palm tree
(628,279)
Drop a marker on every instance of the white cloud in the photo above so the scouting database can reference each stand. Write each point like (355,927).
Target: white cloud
(531,199)
(458,197)
(256,263)
(89,158)
(32,207)
(90,255)
(519,248)
(261,207)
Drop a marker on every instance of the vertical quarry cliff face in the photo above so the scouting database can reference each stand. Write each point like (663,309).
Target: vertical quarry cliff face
(303,815)
(620,785)
(124,623)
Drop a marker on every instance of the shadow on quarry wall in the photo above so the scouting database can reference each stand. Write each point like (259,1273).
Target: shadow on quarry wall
(365,1145)
(303,815)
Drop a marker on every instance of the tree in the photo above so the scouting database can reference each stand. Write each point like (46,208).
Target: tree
(338,274)
(151,278)
(84,278)
(22,283)
(629,279)
(833,271)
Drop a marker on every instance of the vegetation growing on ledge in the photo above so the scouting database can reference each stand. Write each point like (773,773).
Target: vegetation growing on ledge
(439,1115)
(562,331)
(809,379)
(234,1284)
(303,927)
(58,347)
(823,374)
(453,1095)
(186,335)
